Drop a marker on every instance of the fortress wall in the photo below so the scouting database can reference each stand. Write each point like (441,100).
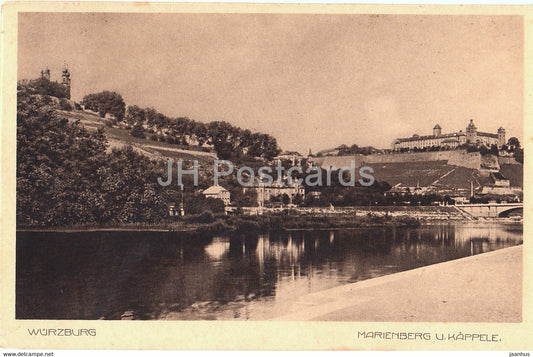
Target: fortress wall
(471,160)
(342,161)
(407,157)
(507,161)
(455,157)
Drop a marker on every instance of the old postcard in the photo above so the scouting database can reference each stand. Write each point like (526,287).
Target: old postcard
(253,176)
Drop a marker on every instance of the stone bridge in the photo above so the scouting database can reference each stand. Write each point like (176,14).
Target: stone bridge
(490,209)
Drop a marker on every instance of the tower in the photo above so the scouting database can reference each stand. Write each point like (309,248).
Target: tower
(45,74)
(65,79)
(501,137)
(437,130)
(471,132)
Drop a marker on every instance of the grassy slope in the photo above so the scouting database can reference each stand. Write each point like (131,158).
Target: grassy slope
(410,173)
(424,173)
(156,150)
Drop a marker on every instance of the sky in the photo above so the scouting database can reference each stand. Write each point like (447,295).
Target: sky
(312,81)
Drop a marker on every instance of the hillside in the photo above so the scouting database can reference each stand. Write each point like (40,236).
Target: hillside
(118,137)
(436,173)
(445,169)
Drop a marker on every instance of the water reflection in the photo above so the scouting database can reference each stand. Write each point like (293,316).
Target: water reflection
(147,275)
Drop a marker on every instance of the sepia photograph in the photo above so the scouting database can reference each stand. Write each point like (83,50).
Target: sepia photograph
(270,167)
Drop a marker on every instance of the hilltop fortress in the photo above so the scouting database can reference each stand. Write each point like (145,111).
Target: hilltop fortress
(451,140)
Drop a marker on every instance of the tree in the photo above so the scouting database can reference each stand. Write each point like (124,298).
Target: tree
(106,102)
(246,199)
(224,150)
(138,131)
(275,199)
(90,102)
(44,87)
(519,155)
(222,136)
(197,203)
(270,147)
(309,200)
(513,143)
(64,104)
(200,131)
(134,115)
(128,182)
(483,150)
(57,166)
(297,199)
(161,121)
(383,186)
(150,115)
(285,199)
(65,175)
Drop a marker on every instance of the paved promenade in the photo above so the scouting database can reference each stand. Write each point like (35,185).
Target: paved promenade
(480,288)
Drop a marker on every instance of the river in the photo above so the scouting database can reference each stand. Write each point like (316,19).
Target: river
(156,276)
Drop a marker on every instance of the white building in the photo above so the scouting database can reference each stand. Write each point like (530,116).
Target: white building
(451,140)
(266,192)
(218,192)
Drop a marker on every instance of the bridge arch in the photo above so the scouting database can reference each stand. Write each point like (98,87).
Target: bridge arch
(507,212)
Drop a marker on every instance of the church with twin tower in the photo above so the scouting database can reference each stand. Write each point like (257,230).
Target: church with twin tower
(65,77)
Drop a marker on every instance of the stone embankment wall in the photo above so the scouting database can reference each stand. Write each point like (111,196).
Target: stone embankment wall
(462,158)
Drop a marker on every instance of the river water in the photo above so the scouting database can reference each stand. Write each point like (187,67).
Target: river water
(154,275)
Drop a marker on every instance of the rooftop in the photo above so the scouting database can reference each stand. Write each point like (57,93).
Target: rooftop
(426,137)
(214,190)
(291,153)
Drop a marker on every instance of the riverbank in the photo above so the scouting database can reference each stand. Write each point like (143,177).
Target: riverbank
(299,218)
(285,220)
(480,288)
(270,221)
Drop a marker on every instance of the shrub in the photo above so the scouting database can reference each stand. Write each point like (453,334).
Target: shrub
(65,104)
(206,217)
(247,226)
(137,131)
(110,122)
(217,226)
